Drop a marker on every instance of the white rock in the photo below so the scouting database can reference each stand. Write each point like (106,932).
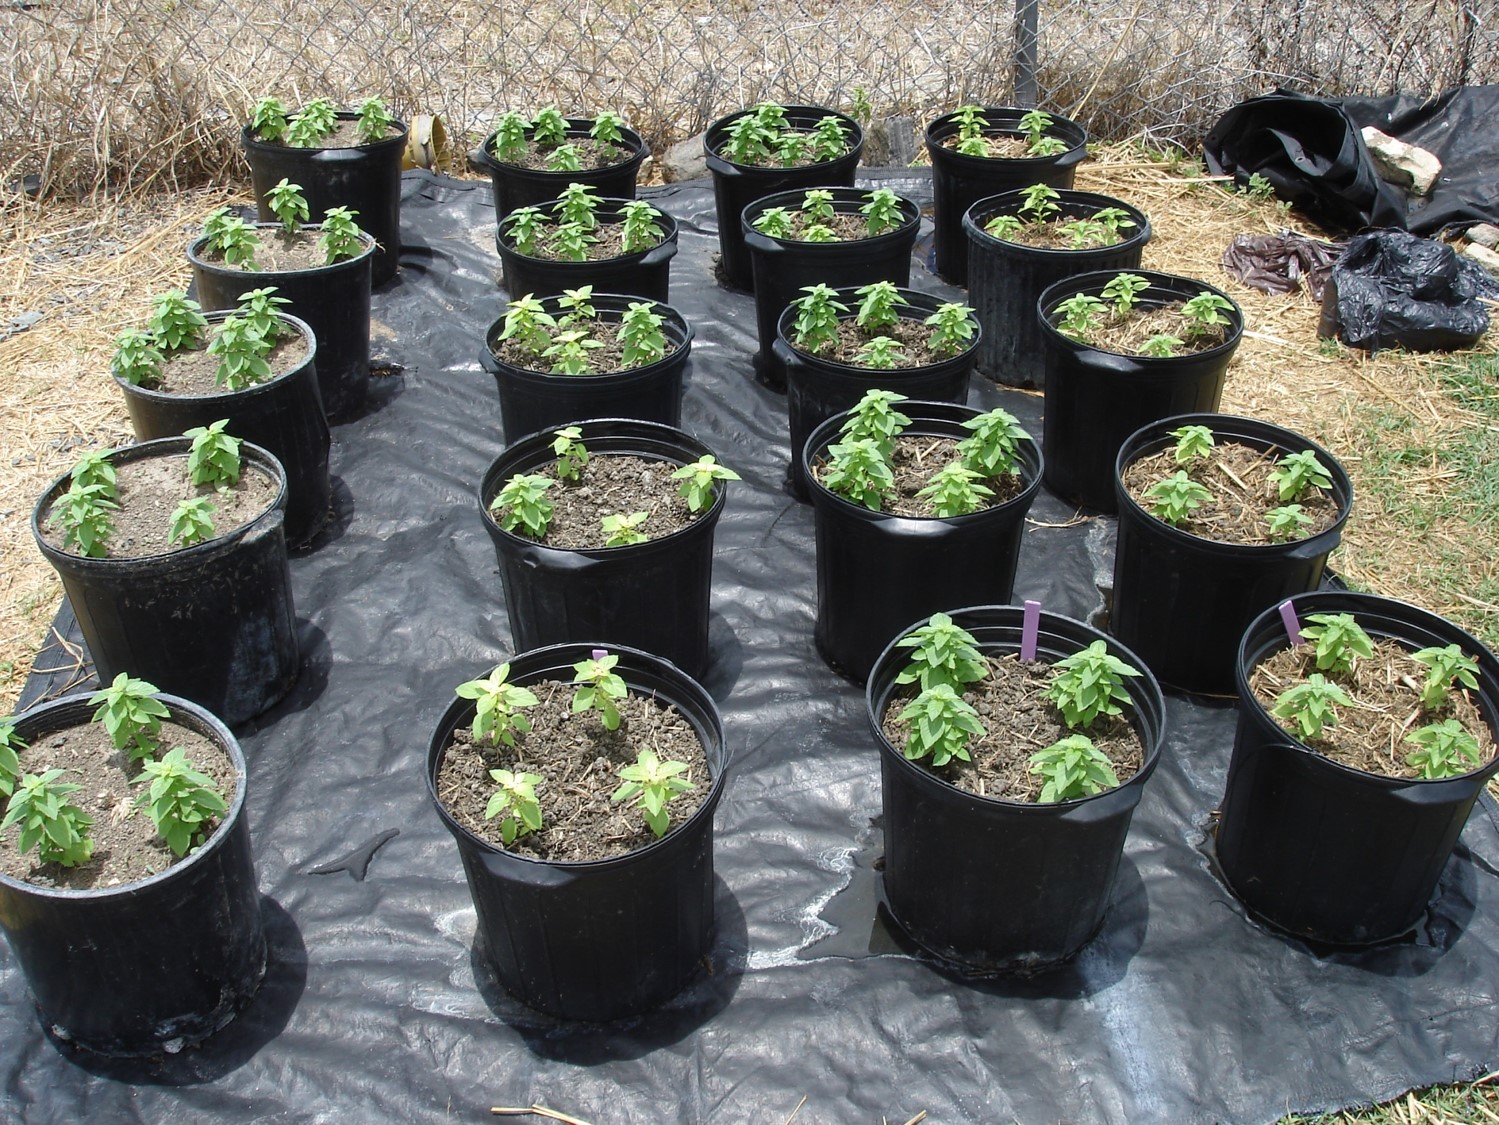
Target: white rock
(1485,234)
(1485,257)
(1410,167)
(685,160)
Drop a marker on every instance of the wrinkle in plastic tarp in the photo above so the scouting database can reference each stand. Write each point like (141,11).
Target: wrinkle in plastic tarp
(376,1008)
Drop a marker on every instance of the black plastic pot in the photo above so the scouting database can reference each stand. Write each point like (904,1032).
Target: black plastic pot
(536,400)
(212,623)
(1183,602)
(1096,399)
(609,938)
(876,573)
(818,388)
(999,886)
(651,596)
(515,186)
(154,965)
(782,266)
(333,300)
(1331,853)
(1006,278)
(366,179)
(283,415)
(959,181)
(645,274)
(736,186)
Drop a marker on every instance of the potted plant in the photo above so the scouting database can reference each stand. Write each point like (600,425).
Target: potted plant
(1021,242)
(322,274)
(255,367)
(835,344)
(137,934)
(604,531)
(579,355)
(531,159)
(772,148)
(1124,349)
(839,236)
(977,151)
(612,914)
(614,245)
(1220,518)
(173,558)
(341,158)
(1361,746)
(919,506)
(1003,835)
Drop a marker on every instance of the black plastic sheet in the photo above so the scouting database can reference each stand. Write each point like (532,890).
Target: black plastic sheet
(376,1008)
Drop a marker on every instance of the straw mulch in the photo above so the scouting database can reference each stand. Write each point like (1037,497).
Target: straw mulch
(91,270)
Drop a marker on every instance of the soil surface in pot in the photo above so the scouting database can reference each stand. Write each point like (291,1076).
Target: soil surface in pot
(775,161)
(609,242)
(1241,494)
(913,463)
(126,846)
(603,360)
(1054,234)
(1000,146)
(614,484)
(194,371)
(150,490)
(592,155)
(1386,694)
(845,225)
(279,252)
(1127,334)
(345,135)
(913,336)
(578,761)
(1019,720)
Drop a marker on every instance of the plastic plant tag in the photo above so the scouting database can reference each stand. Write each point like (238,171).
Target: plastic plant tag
(1030,626)
(1293,626)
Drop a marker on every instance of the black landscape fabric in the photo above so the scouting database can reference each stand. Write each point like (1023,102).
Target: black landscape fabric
(376,1008)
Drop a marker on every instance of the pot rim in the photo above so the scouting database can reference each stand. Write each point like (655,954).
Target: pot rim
(924,303)
(613,303)
(846,201)
(576,127)
(371,244)
(999,203)
(204,722)
(1063,128)
(1097,279)
(308,335)
(253,143)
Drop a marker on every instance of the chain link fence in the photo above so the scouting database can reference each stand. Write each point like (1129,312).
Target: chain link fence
(122,95)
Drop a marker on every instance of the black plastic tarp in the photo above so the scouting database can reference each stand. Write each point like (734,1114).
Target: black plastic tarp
(376,1009)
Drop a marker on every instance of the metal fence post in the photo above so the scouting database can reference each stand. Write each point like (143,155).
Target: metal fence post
(1026,16)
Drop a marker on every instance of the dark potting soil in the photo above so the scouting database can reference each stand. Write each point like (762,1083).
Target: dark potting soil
(610,485)
(915,460)
(592,154)
(345,135)
(846,225)
(1050,235)
(150,490)
(578,761)
(601,361)
(609,242)
(194,371)
(1238,479)
(1018,720)
(280,252)
(1386,692)
(126,845)
(912,336)
(1127,334)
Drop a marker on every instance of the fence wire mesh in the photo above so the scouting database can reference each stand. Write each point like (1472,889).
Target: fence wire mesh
(124,94)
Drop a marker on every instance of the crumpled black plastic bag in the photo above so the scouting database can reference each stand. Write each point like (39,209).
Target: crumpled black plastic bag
(1281,263)
(1394,289)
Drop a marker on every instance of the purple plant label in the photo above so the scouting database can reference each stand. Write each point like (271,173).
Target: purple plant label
(599,654)
(1029,628)
(1293,626)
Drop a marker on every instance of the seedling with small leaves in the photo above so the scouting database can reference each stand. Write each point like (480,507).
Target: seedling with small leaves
(942,725)
(1287,522)
(952,328)
(95,468)
(600,687)
(137,359)
(1114,220)
(576,204)
(1162,345)
(192,522)
(1089,683)
(499,707)
(1337,640)
(83,512)
(577,306)
(829,140)
(773,222)
(374,121)
(1080,316)
(955,490)
(816,323)
(817,205)
(514,801)
(177,321)
(1072,768)
(882,353)
(639,229)
(881,212)
(750,140)
(643,335)
(877,306)
(232,238)
(623,529)
(572,454)
(875,418)
(942,652)
(993,447)
(316,120)
(971,124)
(341,237)
(523,504)
(652,785)
(570,242)
(1443,749)
(242,352)
(131,715)
(1296,474)
(1039,203)
(1174,499)
(1311,705)
(1034,125)
(268,119)
(549,128)
(699,481)
(510,137)
(1124,291)
(819,232)
(528,323)
(260,308)
(1446,668)
(214,456)
(182,802)
(569,352)
(862,109)
(526,229)
(56,829)
(857,471)
(1193,444)
(607,129)
(1204,314)
(11,744)
(289,205)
